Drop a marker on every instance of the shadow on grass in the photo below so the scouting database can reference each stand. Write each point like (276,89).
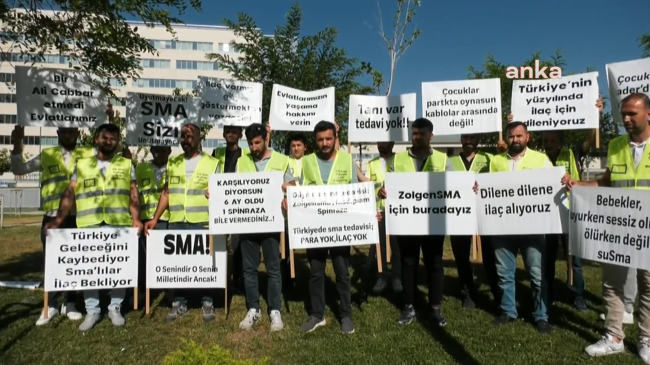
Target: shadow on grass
(28,266)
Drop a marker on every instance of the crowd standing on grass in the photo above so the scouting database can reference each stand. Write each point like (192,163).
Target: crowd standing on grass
(171,193)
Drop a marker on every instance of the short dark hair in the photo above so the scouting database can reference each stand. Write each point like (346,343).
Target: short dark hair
(513,125)
(637,96)
(255,130)
(299,137)
(233,127)
(422,123)
(323,126)
(558,133)
(196,128)
(108,127)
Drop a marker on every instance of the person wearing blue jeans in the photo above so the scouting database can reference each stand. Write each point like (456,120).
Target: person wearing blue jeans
(553,241)
(532,250)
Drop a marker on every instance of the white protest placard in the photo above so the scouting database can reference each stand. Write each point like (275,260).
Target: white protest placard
(381,118)
(625,78)
(610,226)
(156,120)
(48,97)
(91,259)
(522,202)
(230,102)
(246,203)
(299,111)
(422,204)
(557,104)
(463,107)
(332,215)
(182,259)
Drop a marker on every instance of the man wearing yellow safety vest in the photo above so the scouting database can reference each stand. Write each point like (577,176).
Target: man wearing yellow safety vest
(519,157)
(228,157)
(262,159)
(328,166)
(55,165)
(421,158)
(377,168)
(472,159)
(151,180)
(628,166)
(103,189)
(569,158)
(185,196)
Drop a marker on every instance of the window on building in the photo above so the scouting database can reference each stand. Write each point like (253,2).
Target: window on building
(49,141)
(154,63)
(182,45)
(166,83)
(7,98)
(197,65)
(7,119)
(6,77)
(118,101)
(228,48)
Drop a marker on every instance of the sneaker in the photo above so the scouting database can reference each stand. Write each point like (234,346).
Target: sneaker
(504,319)
(208,312)
(347,326)
(397,286)
(436,318)
(407,315)
(543,327)
(51,313)
(89,322)
(605,346)
(312,323)
(70,310)
(468,303)
(253,316)
(379,287)
(644,349)
(115,316)
(178,309)
(276,321)
(628,318)
(579,304)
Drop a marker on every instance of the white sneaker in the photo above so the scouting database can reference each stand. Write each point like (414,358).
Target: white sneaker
(70,310)
(628,318)
(644,349)
(253,316)
(605,346)
(51,313)
(276,321)
(115,316)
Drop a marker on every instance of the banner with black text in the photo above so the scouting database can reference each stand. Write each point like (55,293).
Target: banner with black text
(373,118)
(230,102)
(299,111)
(625,78)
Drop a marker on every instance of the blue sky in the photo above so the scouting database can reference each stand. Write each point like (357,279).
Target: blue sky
(456,34)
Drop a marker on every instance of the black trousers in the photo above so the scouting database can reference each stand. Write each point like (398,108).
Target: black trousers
(341,261)
(285,264)
(432,249)
(461,246)
(69,222)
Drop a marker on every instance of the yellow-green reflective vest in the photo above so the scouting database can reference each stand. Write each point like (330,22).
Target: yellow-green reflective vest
(187,202)
(55,175)
(621,166)
(149,191)
(340,174)
(480,162)
(436,162)
(220,154)
(277,162)
(378,176)
(296,171)
(105,199)
(567,159)
(531,160)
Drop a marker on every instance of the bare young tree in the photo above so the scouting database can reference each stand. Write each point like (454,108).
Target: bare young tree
(397,42)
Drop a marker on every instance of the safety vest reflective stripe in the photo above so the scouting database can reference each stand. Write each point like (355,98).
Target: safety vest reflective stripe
(103,199)
(55,175)
(340,174)
(623,173)
(187,202)
(531,160)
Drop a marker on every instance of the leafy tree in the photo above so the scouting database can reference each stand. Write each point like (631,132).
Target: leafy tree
(644,43)
(494,69)
(94,35)
(308,62)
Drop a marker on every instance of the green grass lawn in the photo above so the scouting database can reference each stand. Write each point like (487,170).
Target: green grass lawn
(469,338)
